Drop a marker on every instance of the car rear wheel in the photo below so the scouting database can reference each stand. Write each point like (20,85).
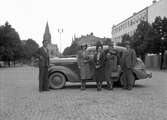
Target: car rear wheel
(57,80)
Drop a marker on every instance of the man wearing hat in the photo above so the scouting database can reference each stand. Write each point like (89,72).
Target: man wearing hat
(43,56)
(128,62)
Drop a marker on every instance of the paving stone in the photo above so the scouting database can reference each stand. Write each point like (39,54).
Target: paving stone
(20,99)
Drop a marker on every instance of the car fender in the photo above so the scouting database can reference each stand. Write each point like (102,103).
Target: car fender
(140,70)
(69,74)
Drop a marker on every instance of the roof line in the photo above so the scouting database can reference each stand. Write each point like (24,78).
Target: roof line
(130,17)
(137,12)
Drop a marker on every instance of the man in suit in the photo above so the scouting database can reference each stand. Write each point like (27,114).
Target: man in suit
(128,62)
(43,56)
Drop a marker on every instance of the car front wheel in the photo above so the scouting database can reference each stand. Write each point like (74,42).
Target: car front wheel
(57,80)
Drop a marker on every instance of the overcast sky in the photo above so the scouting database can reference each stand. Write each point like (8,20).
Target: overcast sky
(78,17)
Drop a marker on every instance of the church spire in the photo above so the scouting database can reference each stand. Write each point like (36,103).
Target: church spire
(47,35)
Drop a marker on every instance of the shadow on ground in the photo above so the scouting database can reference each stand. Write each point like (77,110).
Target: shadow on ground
(78,86)
(140,86)
(93,86)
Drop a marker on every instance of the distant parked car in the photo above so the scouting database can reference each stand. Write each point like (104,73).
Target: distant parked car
(62,70)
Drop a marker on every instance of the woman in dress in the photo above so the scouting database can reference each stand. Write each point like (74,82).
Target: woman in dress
(111,65)
(99,60)
(83,64)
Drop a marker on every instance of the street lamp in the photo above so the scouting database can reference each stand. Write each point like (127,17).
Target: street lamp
(162,46)
(60,31)
(162,43)
(162,38)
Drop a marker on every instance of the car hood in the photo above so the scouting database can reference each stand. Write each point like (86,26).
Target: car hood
(61,60)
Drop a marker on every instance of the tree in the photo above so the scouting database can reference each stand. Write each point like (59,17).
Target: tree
(10,43)
(66,51)
(72,50)
(125,38)
(157,26)
(160,42)
(106,41)
(30,47)
(142,38)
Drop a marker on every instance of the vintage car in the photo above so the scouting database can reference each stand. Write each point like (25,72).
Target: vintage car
(64,70)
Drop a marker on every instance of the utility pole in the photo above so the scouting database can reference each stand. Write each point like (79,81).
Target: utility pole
(60,31)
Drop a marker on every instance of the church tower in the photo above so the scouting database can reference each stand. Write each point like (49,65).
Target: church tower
(53,48)
(47,35)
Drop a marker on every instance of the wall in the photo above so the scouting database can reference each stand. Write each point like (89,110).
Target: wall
(152,61)
(157,9)
(129,25)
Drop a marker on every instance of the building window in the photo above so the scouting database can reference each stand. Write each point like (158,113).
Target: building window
(121,27)
(131,22)
(126,25)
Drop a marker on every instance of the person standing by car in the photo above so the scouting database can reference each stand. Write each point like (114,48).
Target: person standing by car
(99,61)
(43,56)
(111,65)
(83,64)
(128,62)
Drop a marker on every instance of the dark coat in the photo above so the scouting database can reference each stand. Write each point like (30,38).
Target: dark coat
(83,64)
(111,64)
(128,62)
(43,57)
(99,67)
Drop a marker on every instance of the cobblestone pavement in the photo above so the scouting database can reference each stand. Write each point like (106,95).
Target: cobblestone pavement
(20,99)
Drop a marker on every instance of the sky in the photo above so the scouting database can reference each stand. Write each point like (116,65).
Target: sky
(79,17)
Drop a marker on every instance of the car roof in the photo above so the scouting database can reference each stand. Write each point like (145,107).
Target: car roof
(91,48)
(105,47)
(57,59)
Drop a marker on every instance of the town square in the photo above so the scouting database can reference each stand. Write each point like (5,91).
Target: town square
(83,60)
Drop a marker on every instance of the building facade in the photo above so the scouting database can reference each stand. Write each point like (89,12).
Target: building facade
(148,14)
(157,9)
(89,39)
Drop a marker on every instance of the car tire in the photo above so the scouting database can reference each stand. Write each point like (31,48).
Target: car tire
(57,80)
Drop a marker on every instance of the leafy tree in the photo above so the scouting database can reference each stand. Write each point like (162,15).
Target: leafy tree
(141,40)
(10,43)
(125,38)
(30,47)
(106,41)
(157,26)
(160,42)
(66,51)
(72,50)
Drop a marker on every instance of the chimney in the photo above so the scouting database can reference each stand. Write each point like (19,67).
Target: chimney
(134,13)
(154,1)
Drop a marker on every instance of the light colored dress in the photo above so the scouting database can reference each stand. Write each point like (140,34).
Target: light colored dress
(111,64)
(83,64)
